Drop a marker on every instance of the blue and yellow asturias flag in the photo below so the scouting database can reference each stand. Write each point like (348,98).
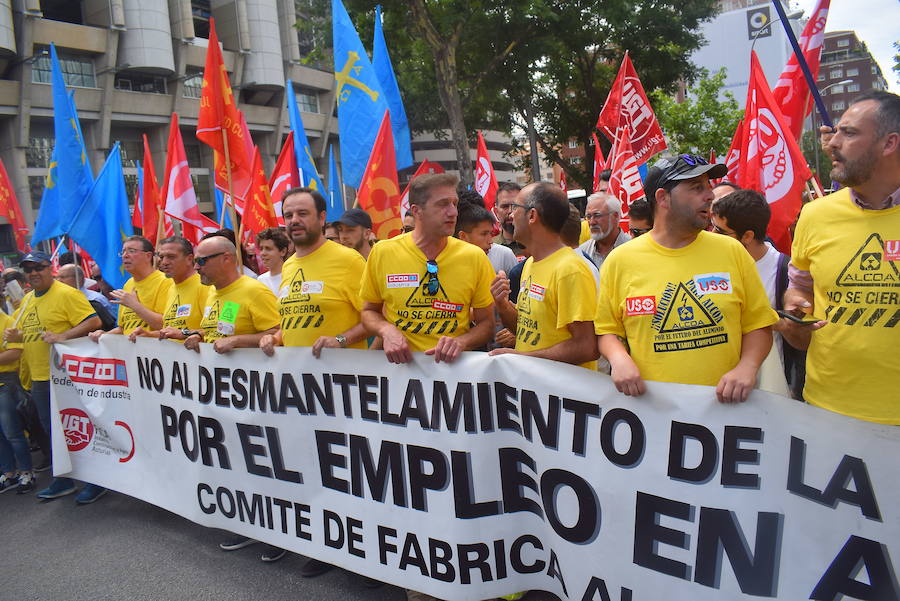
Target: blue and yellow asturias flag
(360,101)
(384,71)
(309,176)
(102,222)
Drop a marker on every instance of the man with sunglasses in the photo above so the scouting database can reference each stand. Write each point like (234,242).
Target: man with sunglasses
(422,290)
(51,312)
(142,300)
(689,304)
(602,214)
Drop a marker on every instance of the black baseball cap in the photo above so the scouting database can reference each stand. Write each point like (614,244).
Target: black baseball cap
(354,217)
(679,168)
(35,257)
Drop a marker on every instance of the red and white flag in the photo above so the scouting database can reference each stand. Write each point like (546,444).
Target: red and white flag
(599,162)
(485,180)
(733,157)
(771,161)
(791,92)
(425,167)
(625,180)
(152,208)
(627,104)
(712,161)
(284,177)
(562,180)
(181,201)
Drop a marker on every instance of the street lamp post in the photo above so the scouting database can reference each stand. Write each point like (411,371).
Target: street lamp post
(815,129)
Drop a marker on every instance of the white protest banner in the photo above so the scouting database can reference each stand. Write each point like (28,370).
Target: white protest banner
(491,475)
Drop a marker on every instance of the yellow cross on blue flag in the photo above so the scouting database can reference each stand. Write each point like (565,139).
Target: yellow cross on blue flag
(360,100)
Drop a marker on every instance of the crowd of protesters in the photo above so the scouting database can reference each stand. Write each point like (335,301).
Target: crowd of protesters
(686,288)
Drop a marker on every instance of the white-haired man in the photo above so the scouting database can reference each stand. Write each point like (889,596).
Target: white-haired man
(603,213)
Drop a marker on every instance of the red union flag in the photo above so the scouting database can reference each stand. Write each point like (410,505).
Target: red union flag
(181,201)
(771,161)
(9,207)
(733,157)
(627,104)
(791,91)
(562,180)
(426,167)
(284,177)
(625,180)
(485,180)
(259,213)
(599,162)
(151,209)
(379,192)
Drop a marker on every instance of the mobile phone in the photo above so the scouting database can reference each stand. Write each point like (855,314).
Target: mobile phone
(797,320)
(14,291)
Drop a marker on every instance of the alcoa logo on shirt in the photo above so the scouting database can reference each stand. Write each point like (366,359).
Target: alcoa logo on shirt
(90,370)
(713,283)
(403,280)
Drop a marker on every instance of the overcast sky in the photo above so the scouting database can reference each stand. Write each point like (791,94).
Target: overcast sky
(871,20)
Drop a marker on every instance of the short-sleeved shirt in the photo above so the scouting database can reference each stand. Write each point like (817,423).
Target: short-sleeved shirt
(152,292)
(320,294)
(396,275)
(58,309)
(682,312)
(556,291)
(6,322)
(185,304)
(245,306)
(853,255)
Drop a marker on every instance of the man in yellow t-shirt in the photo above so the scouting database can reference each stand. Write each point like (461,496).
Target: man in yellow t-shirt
(15,457)
(845,269)
(52,312)
(240,310)
(142,299)
(187,296)
(689,304)
(319,301)
(422,290)
(558,295)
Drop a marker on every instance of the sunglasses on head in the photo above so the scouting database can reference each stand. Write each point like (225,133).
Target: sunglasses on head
(201,261)
(432,284)
(673,167)
(31,267)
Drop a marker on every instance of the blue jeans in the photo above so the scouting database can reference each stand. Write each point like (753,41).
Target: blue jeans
(14,451)
(40,394)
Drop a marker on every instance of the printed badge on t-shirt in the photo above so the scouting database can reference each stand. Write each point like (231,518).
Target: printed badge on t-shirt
(713,283)
(183,311)
(227,318)
(403,280)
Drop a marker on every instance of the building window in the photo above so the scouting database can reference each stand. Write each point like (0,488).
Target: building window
(307,100)
(852,72)
(573,143)
(132,151)
(194,155)
(40,149)
(193,85)
(838,106)
(836,73)
(853,87)
(843,43)
(200,11)
(837,89)
(141,82)
(821,77)
(576,160)
(873,69)
(62,10)
(131,183)
(203,191)
(78,71)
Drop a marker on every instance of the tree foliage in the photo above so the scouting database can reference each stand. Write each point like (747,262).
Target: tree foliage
(703,121)
(897,61)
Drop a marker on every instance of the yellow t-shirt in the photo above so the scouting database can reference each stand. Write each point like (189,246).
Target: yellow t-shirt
(682,311)
(185,304)
(555,291)
(853,255)
(585,234)
(60,308)
(320,294)
(246,306)
(396,275)
(6,322)
(152,292)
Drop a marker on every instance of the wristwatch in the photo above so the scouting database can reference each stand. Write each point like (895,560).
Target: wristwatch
(341,340)
(188,333)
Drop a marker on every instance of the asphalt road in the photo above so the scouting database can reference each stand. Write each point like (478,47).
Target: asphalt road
(120,548)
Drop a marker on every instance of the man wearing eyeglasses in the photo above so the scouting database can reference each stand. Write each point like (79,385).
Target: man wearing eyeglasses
(603,214)
(553,318)
(52,312)
(240,310)
(688,303)
(506,196)
(422,290)
(142,300)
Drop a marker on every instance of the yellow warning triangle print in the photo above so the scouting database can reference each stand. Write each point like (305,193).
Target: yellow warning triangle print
(420,299)
(868,267)
(296,295)
(687,312)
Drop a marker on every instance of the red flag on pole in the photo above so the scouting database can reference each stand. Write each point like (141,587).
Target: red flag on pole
(150,211)
(485,179)
(627,104)
(599,162)
(219,121)
(771,161)
(181,200)
(137,220)
(733,157)
(625,180)
(9,207)
(285,176)
(562,180)
(259,214)
(426,167)
(791,92)
(379,192)
(712,161)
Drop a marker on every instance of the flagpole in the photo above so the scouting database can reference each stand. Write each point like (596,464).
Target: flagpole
(230,203)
